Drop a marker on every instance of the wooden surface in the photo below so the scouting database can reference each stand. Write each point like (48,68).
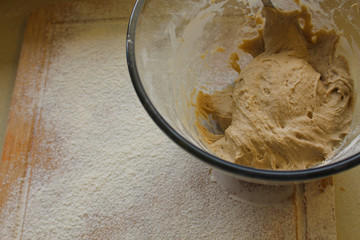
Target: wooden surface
(20,141)
(24,130)
(22,154)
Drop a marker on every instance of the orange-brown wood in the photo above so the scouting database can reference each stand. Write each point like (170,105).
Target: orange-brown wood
(29,85)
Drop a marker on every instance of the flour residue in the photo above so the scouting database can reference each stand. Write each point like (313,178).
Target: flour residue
(103,169)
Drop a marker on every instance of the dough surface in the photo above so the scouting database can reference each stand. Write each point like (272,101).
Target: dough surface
(291,105)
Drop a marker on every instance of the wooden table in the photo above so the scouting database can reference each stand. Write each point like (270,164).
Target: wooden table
(33,151)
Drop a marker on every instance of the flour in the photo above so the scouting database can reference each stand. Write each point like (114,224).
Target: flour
(103,170)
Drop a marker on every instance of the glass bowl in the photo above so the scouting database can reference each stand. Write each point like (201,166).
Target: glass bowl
(174,49)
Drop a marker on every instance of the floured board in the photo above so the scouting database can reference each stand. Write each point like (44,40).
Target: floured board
(82,159)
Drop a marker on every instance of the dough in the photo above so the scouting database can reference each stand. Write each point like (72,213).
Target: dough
(291,105)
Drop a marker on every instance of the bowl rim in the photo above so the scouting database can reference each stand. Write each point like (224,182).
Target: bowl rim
(231,168)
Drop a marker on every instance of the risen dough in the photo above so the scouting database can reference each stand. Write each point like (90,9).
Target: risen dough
(290,106)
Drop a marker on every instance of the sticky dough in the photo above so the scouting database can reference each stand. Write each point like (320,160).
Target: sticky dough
(290,106)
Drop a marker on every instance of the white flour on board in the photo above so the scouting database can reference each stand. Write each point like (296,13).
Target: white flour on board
(104,170)
(112,173)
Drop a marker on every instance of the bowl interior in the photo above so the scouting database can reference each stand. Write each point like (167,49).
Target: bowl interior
(179,50)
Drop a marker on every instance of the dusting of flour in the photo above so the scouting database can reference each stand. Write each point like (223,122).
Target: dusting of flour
(103,170)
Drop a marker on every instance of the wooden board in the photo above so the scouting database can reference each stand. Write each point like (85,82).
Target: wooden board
(23,130)
(311,215)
